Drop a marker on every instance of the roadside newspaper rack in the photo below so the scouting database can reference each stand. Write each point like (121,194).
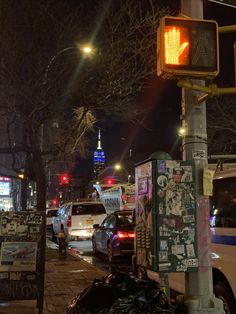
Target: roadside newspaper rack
(22,247)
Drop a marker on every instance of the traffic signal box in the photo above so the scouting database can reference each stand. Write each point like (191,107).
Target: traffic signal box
(165,216)
(187,47)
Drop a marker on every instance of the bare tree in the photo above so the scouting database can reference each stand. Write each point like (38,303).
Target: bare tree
(47,91)
(32,95)
(130,55)
(221,119)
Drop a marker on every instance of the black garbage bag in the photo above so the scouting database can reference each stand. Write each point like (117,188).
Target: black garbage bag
(97,297)
(120,293)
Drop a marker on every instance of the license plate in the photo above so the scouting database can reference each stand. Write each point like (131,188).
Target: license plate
(89,221)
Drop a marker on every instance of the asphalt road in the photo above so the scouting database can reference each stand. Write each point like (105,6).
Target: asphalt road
(84,249)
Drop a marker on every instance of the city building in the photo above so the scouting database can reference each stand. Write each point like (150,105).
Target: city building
(98,157)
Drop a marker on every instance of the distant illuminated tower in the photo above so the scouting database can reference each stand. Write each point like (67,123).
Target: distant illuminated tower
(98,157)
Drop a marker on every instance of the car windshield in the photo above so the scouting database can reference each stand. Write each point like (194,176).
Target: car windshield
(88,209)
(125,219)
(51,213)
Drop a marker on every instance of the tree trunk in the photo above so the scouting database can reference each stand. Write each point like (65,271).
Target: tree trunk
(40,181)
(24,183)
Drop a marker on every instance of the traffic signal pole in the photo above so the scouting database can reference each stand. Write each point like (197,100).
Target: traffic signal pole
(199,297)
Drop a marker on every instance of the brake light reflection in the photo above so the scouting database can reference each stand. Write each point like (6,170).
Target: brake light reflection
(69,221)
(123,235)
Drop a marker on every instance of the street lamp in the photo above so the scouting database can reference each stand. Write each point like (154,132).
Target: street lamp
(182,131)
(119,167)
(86,50)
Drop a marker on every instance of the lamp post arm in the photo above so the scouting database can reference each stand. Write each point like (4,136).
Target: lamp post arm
(52,61)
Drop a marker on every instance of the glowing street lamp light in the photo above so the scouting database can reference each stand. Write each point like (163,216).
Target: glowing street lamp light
(120,167)
(117,166)
(87,50)
(182,131)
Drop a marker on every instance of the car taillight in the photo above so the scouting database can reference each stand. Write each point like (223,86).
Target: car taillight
(69,221)
(123,234)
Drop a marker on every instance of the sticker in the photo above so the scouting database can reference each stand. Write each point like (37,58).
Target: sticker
(163,256)
(192,262)
(142,185)
(208,182)
(162,181)
(188,218)
(163,245)
(161,166)
(190,250)
(199,154)
(177,249)
(181,268)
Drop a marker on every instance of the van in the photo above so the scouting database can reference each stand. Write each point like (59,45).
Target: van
(223,241)
(76,219)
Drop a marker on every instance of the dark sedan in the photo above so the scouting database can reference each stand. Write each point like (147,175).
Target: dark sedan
(115,236)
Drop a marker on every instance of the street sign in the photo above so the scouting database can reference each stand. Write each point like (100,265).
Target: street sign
(229,3)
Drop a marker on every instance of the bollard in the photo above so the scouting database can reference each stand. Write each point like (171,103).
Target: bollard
(62,244)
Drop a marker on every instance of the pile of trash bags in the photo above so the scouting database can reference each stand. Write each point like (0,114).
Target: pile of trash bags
(121,293)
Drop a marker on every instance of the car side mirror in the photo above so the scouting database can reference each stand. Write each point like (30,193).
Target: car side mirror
(96,226)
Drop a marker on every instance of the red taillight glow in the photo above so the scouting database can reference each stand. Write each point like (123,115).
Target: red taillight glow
(123,234)
(69,221)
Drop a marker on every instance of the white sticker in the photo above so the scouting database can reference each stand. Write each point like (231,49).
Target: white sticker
(192,262)
(199,154)
(163,256)
(177,249)
(190,250)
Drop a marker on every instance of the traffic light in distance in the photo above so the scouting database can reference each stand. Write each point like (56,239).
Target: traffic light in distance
(64,179)
(110,181)
(187,47)
(54,202)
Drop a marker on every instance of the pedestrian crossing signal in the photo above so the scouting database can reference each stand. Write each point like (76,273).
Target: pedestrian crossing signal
(187,47)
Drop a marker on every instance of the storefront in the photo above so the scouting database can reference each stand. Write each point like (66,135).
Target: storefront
(6,200)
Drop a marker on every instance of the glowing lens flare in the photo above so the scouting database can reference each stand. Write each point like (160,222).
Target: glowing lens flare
(176,46)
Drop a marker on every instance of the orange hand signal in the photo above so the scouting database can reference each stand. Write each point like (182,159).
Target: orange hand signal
(173,46)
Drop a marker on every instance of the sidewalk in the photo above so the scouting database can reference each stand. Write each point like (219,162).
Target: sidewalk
(64,278)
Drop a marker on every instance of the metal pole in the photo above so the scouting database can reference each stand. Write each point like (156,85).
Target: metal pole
(199,296)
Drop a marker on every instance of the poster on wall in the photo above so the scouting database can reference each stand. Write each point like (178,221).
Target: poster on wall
(18,256)
(22,246)
(20,224)
(176,245)
(5,188)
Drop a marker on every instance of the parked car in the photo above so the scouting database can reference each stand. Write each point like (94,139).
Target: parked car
(115,236)
(76,219)
(50,213)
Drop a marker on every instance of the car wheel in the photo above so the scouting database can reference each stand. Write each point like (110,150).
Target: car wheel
(110,254)
(223,292)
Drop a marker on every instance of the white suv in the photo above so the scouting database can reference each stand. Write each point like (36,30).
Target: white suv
(76,219)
